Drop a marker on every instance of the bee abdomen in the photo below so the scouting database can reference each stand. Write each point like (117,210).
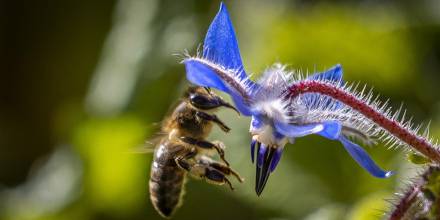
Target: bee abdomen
(166,186)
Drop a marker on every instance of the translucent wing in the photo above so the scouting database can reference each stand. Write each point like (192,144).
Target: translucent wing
(149,145)
(143,149)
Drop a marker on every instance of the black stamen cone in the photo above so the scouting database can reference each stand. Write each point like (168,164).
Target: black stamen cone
(263,171)
(253,144)
(258,171)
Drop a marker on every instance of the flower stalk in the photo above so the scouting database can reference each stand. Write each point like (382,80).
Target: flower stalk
(417,142)
(407,201)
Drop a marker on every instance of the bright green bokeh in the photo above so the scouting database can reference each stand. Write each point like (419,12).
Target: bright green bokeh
(114,174)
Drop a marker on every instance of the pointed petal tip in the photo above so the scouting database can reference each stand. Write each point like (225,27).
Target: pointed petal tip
(383,174)
(388,174)
(338,71)
(222,6)
(222,54)
(335,69)
(333,74)
(221,46)
(363,159)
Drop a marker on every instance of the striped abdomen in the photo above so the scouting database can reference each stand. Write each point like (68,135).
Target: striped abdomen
(166,181)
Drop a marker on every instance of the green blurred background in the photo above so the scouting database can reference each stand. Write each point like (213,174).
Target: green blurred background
(85,82)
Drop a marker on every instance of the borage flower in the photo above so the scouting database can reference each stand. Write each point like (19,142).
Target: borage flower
(276,117)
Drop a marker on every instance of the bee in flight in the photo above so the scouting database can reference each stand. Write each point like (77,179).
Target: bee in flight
(183,149)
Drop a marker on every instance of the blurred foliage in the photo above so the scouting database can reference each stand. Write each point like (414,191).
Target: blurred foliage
(105,144)
(86,82)
(418,159)
(339,36)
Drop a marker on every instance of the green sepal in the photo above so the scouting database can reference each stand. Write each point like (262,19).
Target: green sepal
(418,159)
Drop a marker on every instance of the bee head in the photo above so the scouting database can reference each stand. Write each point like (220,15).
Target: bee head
(204,99)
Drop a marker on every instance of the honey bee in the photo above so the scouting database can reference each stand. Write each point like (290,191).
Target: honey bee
(182,150)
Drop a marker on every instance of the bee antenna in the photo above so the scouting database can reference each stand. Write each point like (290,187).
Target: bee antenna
(207,89)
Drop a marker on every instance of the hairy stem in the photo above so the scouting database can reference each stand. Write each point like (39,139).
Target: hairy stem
(392,126)
(422,194)
(406,201)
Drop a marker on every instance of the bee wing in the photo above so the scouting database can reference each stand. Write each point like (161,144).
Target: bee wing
(149,145)
(144,149)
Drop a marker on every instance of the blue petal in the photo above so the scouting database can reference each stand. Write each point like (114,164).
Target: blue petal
(291,130)
(201,74)
(363,159)
(261,155)
(332,130)
(328,129)
(276,158)
(221,45)
(240,104)
(256,123)
(332,74)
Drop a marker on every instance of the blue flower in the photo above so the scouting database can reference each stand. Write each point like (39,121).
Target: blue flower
(275,119)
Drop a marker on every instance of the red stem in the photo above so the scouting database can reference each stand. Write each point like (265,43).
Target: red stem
(401,209)
(405,202)
(395,128)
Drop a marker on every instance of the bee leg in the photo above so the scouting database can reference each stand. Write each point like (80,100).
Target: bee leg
(183,161)
(229,183)
(202,171)
(214,165)
(214,176)
(225,170)
(205,168)
(214,119)
(218,146)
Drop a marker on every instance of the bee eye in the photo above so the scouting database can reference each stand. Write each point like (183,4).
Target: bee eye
(201,101)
